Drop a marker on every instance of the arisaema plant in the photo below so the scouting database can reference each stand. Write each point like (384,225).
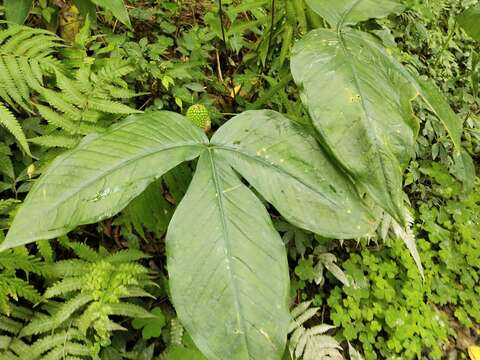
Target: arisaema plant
(227,265)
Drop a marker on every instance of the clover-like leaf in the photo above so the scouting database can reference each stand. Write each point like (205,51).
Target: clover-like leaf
(151,327)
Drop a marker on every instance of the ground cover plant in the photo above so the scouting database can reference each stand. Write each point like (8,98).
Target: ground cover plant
(239,179)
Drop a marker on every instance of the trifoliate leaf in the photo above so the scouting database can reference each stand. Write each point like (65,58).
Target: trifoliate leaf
(152,327)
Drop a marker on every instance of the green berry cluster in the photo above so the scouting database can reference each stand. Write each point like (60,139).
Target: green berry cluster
(198,114)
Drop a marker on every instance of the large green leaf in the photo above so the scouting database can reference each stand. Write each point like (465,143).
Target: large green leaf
(286,165)
(469,20)
(118,9)
(360,104)
(433,98)
(349,12)
(17,10)
(103,174)
(228,267)
(427,90)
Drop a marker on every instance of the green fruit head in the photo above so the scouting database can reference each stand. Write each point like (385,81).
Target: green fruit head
(198,114)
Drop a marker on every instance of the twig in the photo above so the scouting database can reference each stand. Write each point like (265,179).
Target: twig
(219,66)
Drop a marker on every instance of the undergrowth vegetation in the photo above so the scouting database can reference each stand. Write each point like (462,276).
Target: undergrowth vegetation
(254,179)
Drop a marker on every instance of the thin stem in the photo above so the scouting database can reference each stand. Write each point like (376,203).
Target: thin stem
(272,25)
(445,45)
(220,15)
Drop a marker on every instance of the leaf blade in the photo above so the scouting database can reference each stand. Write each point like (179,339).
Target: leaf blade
(469,20)
(286,165)
(364,115)
(118,9)
(350,12)
(99,177)
(229,272)
(17,10)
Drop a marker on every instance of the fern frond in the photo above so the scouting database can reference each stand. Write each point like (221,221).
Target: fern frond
(33,78)
(407,236)
(12,259)
(83,77)
(113,70)
(25,57)
(72,305)
(6,166)
(18,346)
(312,343)
(136,291)
(8,121)
(8,355)
(39,46)
(113,326)
(41,323)
(304,317)
(89,316)
(300,309)
(121,93)
(10,31)
(13,67)
(322,347)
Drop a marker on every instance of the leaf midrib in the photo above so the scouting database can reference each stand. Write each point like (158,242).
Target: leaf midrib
(115,168)
(371,128)
(276,167)
(410,78)
(229,256)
